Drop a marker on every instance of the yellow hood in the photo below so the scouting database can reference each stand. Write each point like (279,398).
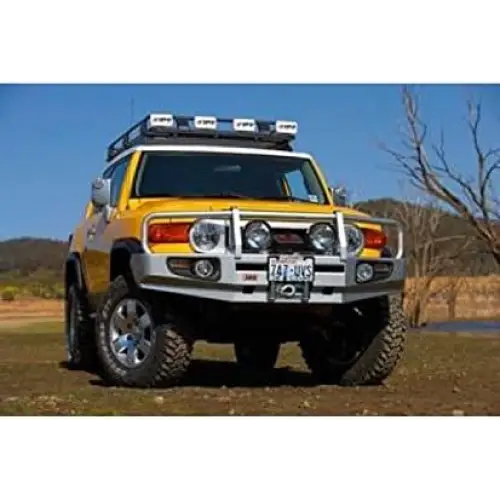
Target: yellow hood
(141,208)
(215,204)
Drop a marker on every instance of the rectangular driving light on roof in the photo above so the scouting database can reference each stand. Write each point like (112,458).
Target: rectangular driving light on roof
(244,125)
(174,128)
(205,122)
(160,121)
(286,127)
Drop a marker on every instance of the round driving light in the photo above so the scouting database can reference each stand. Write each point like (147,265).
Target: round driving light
(355,239)
(204,236)
(258,235)
(203,268)
(322,237)
(364,272)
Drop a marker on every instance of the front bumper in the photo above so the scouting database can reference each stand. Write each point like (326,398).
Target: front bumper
(244,278)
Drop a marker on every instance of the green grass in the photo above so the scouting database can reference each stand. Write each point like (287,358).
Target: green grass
(439,375)
(37,328)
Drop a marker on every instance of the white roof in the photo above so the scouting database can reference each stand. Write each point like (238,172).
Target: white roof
(209,149)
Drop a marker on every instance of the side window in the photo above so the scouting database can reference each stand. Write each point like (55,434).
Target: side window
(109,172)
(296,184)
(117,175)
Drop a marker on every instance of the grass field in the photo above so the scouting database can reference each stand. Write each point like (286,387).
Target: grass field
(476,297)
(441,374)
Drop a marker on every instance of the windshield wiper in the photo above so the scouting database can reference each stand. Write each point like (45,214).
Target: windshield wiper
(285,198)
(222,194)
(233,194)
(227,194)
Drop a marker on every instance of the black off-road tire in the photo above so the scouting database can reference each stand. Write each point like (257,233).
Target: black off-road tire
(81,350)
(172,347)
(384,335)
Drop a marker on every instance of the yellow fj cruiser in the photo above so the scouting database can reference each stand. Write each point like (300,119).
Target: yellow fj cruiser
(212,229)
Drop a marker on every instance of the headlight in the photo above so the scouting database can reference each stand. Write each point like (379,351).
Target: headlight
(204,236)
(355,239)
(258,235)
(322,237)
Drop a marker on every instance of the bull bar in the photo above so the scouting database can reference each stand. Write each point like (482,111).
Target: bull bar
(235,217)
(151,272)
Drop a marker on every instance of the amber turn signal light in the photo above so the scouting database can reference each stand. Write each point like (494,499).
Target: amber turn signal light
(374,239)
(171,232)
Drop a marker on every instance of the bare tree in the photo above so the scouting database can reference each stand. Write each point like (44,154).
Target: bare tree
(473,197)
(430,253)
(453,289)
(469,266)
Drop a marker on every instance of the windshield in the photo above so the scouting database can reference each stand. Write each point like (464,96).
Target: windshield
(228,175)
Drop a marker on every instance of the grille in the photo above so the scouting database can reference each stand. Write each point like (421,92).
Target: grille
(286,241)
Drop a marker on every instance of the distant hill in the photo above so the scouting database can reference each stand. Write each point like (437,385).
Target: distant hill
(43,259)
(28,256)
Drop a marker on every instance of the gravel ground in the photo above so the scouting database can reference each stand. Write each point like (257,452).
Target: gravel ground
(442,374)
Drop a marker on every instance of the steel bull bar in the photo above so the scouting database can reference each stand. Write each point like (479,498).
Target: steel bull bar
(237,216)
(347,289)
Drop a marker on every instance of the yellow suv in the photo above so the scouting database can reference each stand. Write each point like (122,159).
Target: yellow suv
(203,228)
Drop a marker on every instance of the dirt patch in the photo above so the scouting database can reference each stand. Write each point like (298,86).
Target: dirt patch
(29,311)
(440,375)
(28,306)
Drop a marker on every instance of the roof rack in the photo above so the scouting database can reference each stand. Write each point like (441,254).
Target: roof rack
(160,128)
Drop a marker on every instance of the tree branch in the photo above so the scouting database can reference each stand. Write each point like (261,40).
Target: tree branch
(474,199)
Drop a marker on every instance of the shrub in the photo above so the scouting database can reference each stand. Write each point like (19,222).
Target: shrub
(58,292)
(9,294)
(36,290)
(47,290)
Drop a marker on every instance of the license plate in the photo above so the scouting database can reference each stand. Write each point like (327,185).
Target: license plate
(291,269)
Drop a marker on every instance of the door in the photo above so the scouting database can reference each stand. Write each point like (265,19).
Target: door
(98,234)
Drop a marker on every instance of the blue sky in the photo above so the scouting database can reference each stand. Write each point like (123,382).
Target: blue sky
(53,138)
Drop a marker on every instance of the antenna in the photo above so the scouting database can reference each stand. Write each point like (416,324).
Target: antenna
(132,103)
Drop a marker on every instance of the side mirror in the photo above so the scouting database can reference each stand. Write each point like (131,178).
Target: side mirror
(339,195)
(101,193)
